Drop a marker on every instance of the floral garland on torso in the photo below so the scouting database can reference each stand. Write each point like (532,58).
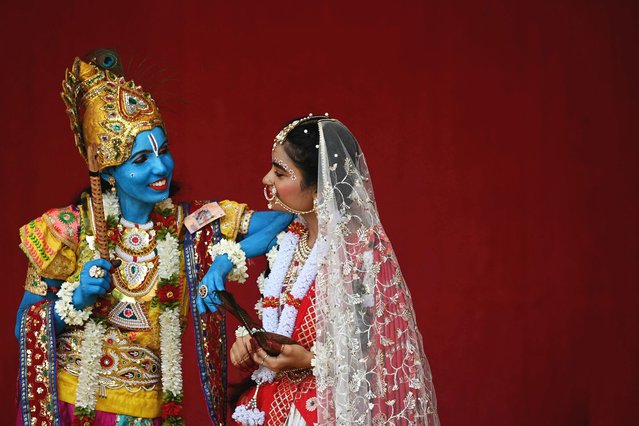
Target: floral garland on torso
(169,292)
(280,305)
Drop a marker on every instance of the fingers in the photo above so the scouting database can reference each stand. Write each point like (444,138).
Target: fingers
(102,263)
(98,285)
(205,304)
(241,360)
(218,283)
(199,303)
(94,277)
(102,284)
(212,301)
(262,358)
(241,354)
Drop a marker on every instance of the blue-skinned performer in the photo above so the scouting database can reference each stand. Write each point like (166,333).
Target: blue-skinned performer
(111,280)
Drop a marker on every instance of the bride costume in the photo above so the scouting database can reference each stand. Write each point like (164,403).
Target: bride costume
(369,366)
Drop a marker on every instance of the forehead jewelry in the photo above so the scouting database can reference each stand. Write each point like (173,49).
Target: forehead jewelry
(281,136)
(286,168)
(154,144)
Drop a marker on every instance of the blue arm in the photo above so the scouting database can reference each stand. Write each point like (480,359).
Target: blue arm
(262,235)
(29,299)
(261,219)
(263,230)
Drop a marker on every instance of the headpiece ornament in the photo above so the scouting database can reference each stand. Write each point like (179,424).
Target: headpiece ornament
(106,114)
(105,110)
(281,136)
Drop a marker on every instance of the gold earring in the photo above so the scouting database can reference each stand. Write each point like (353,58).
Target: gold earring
(111,181)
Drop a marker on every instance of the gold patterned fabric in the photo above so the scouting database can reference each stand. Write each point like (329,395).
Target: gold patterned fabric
(34,283)
(46,250)
(231,222)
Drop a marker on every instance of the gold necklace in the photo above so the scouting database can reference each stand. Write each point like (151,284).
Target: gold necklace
(302,252)
(137,248)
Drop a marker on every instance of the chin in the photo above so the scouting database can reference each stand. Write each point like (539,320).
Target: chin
(153,196)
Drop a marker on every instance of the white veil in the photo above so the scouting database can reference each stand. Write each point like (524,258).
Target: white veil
(369,356)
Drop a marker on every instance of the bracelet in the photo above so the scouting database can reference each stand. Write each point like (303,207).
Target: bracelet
(236,255)
(245,222)
(64,305)
(241,331)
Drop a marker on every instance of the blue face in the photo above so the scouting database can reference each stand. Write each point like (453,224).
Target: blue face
(146,176)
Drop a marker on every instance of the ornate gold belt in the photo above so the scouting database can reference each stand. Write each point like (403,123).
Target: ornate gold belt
(122,364)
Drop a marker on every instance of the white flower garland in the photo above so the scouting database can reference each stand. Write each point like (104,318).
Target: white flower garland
(165,204)
(90,352)
(64,305)
(284,322)
(111,204)
(169,256)
(278,273)
(271,256)
(171,351)
(236,255)
(314,361)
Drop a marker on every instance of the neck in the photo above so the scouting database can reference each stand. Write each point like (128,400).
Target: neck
(133,210)
(311,223)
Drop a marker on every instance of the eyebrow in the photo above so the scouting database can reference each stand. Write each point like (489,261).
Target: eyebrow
(149,151)
(279,165)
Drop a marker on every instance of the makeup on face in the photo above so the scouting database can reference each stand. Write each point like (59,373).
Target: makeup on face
(282,189)
(154,144)
(146,176)
(284,166)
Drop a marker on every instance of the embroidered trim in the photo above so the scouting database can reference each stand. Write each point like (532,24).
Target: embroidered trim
(245,222)
(38,373)
(122,364)
(216,403)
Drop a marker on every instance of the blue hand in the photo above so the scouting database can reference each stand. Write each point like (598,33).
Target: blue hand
(214,280)
(90,288)
(262,235)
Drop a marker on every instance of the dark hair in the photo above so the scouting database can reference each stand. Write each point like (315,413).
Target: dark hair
(301,145)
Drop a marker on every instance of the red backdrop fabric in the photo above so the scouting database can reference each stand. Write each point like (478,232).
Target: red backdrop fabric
(501,137)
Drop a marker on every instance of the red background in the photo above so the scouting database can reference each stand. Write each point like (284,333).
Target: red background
(502,141)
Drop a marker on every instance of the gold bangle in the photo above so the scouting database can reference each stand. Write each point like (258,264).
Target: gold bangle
(245,222)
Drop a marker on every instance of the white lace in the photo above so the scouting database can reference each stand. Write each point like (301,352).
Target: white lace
(369,361)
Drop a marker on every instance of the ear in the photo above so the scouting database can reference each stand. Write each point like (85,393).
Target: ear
(106,173)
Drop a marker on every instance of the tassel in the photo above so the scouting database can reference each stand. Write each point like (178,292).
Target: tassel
(249,414)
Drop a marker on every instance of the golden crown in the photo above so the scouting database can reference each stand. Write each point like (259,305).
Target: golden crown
(106,113)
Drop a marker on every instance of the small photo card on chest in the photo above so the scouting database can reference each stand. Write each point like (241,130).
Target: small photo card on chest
(203,216)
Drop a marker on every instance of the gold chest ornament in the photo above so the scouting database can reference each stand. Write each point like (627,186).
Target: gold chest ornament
(136,279)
